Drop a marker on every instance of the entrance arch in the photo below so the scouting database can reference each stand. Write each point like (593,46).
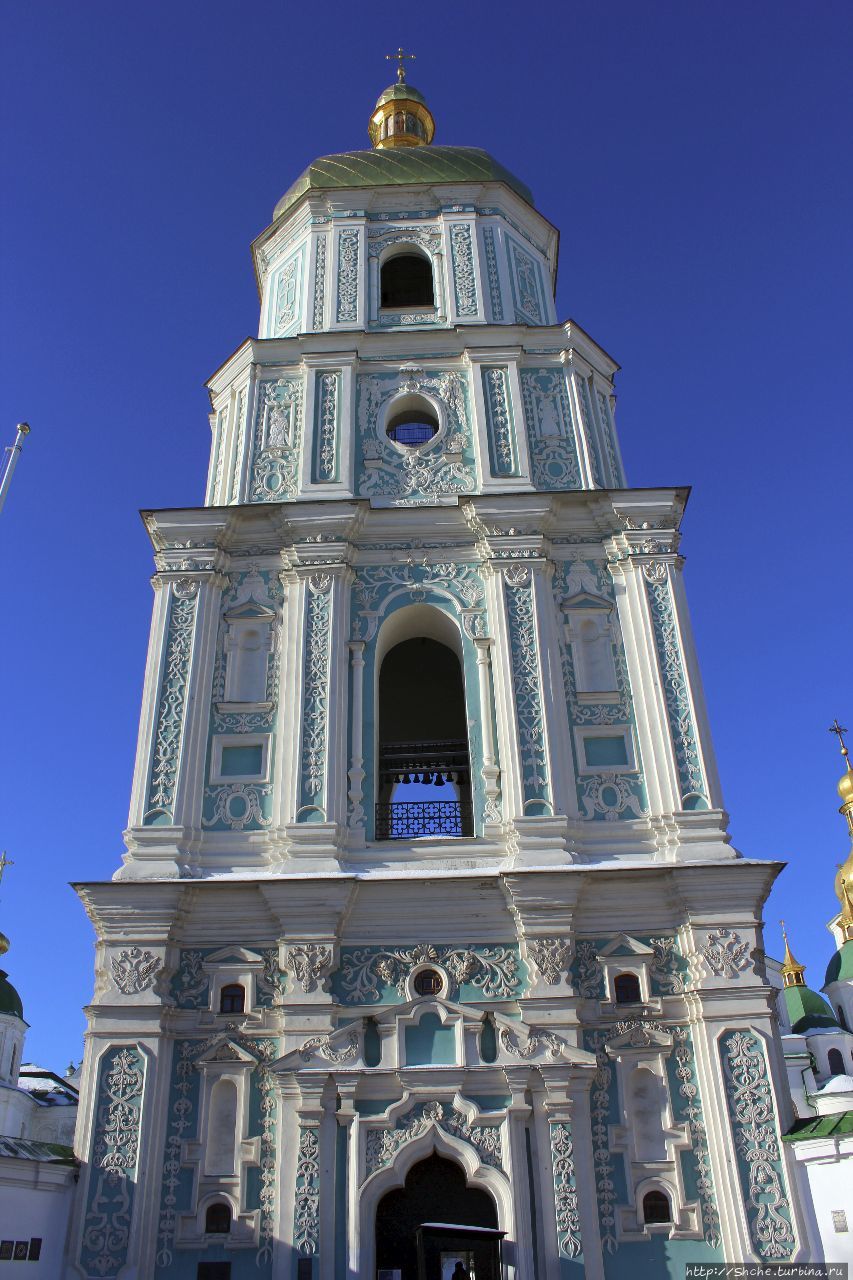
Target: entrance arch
(435,1190)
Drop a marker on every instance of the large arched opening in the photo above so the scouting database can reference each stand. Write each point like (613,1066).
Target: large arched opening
(424,774)
(405,280)
(436,1191)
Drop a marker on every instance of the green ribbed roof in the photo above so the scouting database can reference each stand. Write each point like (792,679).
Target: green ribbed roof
(806,1009)
(400,166)
(838,1125)
(840,967)
(10,1001)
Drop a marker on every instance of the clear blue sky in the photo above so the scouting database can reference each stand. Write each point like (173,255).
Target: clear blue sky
(696,158)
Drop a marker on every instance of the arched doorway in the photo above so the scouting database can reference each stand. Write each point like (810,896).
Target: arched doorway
(424,771)
(435,1190)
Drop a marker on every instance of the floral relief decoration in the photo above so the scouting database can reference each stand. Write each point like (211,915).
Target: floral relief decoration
(115,1155)
(369,975)
(441,467)
(760,1163)
(550,431)
(277,439)
(384,1143)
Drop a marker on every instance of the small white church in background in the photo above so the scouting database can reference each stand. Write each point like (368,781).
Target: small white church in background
(38,1170)
(430,954)
(817,1041)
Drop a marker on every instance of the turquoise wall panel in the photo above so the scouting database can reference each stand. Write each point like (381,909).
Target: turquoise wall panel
(428,1043)
(113,1161)
(755,1129)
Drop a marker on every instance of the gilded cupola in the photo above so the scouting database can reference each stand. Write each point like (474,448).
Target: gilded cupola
(844,877)
(401,117)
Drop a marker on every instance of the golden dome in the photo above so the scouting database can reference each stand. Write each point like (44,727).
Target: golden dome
(401,117)
(845,786)
(4,944)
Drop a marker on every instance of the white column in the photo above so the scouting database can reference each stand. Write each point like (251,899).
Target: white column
(650,713)
(356,772)
(695,689)
(518,1113)
(150,699)
(189,790)
(490,771)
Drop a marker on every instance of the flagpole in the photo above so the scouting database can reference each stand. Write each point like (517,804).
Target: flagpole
(14,452)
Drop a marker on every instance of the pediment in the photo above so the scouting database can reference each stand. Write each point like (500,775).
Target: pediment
(585,600)
(225,1050)
(343,1045)
(250,609)
(639,1037)
(521,1040)
(624,945)
(234,956)
(404,1012)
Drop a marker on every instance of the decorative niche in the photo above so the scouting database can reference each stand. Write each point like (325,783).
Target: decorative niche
(248,645)
(589,630)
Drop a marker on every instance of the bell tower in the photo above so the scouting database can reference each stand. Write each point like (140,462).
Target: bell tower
(426,857)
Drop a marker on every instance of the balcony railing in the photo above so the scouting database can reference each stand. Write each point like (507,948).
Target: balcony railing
(411,819)
(444,760)
(437,763)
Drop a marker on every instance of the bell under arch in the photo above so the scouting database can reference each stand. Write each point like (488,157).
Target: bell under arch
(423,758)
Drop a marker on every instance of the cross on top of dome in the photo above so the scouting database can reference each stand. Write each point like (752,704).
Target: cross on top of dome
(400,56)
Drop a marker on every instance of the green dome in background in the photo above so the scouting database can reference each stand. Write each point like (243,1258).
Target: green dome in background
(10,1001)
(406,166)
(806,1009)
(840,967)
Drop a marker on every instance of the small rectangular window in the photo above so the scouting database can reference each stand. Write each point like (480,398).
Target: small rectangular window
(213,1271)
(22,1248)
(304,1269)
(240,761)
(600,752)
(35,1249)
(236,757)
(6,1247)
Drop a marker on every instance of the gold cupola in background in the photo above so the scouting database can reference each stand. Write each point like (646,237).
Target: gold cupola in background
(792,971)
(401,117)
(844,877)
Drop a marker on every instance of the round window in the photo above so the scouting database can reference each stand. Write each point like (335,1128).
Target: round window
(428,982)
(412,427)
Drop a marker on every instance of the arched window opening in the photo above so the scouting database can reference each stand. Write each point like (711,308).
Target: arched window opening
(656,1207)
(232,999)
(626,988)
(424,776)
(836,1062)
(217,1220)
(406,281)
